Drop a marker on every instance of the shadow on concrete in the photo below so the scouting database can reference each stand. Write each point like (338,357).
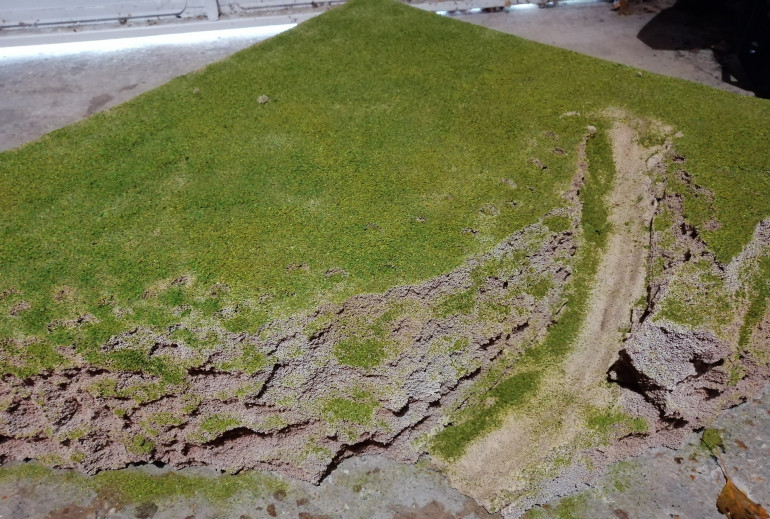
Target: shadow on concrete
(728,28)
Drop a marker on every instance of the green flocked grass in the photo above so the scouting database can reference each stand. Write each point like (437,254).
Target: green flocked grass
(135,486)
(396,143)
(380,117)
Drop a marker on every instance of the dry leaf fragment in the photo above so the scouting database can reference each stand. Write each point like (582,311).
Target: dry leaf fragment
(734,504)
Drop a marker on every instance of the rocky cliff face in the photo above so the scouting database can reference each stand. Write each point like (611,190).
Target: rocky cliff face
(370,374)
(694,349)
(379,372)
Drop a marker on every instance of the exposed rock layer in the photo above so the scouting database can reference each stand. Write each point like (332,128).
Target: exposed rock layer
(305,408)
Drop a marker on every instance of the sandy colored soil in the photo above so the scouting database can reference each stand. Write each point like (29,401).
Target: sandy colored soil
(499,467)
(620,280)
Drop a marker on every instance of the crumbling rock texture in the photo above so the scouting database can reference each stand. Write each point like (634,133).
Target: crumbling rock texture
(683,353)
(674,368)
(371,374)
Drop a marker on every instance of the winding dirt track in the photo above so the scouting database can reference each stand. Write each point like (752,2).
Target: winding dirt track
(497,469)
(620,279)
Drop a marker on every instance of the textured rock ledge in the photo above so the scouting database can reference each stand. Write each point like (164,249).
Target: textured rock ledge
(291,397)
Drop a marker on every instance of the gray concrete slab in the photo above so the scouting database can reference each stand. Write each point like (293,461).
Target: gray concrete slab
(38,95)
(683,483)
(595,30)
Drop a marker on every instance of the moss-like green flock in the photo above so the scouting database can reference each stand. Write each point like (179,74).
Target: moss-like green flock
(380,155)
(395,144)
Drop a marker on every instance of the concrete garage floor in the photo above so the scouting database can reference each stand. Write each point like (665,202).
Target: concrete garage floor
(40,94)
(681,47)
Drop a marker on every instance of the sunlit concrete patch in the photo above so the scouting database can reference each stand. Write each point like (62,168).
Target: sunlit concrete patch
(681,483)
(370,487)
(29,48)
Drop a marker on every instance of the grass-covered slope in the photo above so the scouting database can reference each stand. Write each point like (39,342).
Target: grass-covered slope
(372,128)
(400,249)
(379,117)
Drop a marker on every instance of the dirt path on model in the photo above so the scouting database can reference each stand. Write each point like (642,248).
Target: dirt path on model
(533,445)
(620,279)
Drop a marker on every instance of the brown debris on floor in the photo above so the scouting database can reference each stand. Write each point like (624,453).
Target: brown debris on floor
(734,504)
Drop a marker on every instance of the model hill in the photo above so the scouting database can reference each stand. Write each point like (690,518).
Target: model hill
(387,231)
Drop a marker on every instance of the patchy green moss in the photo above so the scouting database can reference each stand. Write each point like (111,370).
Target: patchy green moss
(77,433)
(538,286)
(342,409)
(135,486)
(759,296)
(622,475)
(249,362)
(558,224)
(140,445)
(216,424)
(154,423)
(138,361)
(248,389)
(315,451)
(321,322)
(598,182)
(197,341)
(735,372)
(138,487)
(27,360)
(462,303)
(272,423)
(712,440)
(191,403)
(651,136)
(662,221)
(31,471)
(141,393)
(460,344)
(608,423)
(247,319)
(492,312)
(572,507)
(51,459)
(77,457)
(104,388)
(697,297)
(365,353)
